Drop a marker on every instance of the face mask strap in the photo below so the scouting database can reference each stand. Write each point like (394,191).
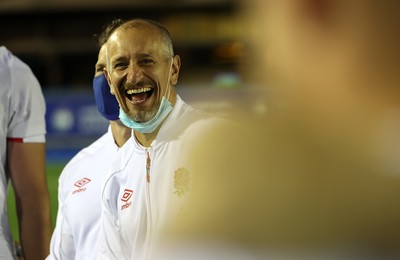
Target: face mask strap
(169,77)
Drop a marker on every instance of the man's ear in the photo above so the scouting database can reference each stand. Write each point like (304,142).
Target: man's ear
(109,80)
(176,65)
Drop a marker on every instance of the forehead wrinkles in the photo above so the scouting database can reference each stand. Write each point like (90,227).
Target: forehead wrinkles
(143,39)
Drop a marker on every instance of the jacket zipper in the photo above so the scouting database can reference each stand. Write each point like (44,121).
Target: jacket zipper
(148,198)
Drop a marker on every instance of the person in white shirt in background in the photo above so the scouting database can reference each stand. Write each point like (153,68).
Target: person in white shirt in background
(80,183)
(150,179)
(22,131)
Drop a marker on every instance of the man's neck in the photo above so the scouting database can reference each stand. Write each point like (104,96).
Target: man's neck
(146,139)
(120,133)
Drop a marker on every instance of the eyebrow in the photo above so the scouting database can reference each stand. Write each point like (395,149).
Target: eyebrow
(118,59)
(100,65)
(137,56)
(144,55)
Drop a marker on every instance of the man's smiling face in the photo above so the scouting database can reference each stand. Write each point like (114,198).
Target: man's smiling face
(139,70)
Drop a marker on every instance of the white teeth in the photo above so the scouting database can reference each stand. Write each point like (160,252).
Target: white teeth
(137,90)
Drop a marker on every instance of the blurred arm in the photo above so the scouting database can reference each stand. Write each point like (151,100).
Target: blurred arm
(26,165)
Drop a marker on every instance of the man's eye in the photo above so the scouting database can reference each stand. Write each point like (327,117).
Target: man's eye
(147,61)
(120,65)
(100,69)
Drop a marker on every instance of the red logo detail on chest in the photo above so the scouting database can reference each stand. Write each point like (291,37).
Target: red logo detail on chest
(80,183)
(126,196)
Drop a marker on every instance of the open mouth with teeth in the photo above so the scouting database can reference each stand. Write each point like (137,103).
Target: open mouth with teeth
(139,95)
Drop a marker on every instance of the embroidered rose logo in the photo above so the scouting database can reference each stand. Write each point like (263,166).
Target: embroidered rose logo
(181,181)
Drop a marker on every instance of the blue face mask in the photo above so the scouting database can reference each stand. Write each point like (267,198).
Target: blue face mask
(106,103)
(151,125)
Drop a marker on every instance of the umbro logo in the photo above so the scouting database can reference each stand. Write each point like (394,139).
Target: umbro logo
(126,196)
(79,184)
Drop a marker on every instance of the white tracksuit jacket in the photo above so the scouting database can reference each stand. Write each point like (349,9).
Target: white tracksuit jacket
(147,186)
(79,201)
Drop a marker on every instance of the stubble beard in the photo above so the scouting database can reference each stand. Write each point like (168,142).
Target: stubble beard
(142,116)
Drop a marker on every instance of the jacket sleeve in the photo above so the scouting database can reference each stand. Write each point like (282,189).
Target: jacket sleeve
(109,242)
(27,106)
(62,242)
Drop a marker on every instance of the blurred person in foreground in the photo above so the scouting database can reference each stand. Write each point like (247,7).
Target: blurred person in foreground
(320,178)
(23,159)
(80,184)
(150,178)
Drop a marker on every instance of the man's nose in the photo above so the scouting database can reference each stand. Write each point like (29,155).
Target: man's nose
(134,72)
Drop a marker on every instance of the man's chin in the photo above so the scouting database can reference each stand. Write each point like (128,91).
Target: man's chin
(142,116)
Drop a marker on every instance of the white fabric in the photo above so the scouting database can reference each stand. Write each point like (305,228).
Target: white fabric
(79,198)
(209,249)
(134,211)
(22,111)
